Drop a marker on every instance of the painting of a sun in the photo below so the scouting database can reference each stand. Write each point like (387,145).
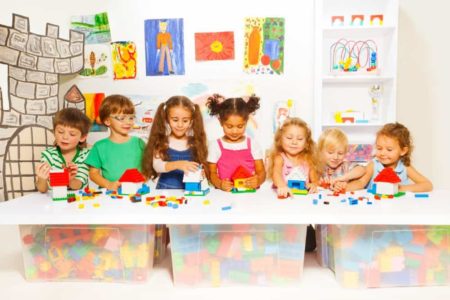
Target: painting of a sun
(214,46)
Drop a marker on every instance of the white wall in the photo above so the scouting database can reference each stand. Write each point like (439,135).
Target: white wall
(423,63)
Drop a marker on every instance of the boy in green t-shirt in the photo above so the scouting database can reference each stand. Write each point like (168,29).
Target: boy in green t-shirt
(109,158)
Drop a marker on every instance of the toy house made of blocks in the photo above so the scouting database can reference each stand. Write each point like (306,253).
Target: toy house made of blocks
(296,180)
(195,184)
(239,176)
(131,182)
(59,181)
(386,183)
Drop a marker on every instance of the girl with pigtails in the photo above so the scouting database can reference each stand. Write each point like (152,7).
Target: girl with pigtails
(234,149)
(177,143)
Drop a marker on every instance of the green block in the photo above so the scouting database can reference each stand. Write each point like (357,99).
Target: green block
(239,276)
(299,192)
(440,277)
(272,236)
(236,191)
(399,194)
(412,263)
(212,244)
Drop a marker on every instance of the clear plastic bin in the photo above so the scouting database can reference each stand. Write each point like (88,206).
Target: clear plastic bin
(387,256)
(87,252)
(221,255)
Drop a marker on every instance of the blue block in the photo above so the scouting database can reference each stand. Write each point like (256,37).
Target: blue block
(421,195)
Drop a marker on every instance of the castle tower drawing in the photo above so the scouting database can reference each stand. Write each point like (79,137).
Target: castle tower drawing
(35,63)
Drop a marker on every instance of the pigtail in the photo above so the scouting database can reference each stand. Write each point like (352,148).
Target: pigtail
(252,104)
(157,144)
(198,142)
(214,104)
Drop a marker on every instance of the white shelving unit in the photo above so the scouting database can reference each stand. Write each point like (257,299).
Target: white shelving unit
(339,91)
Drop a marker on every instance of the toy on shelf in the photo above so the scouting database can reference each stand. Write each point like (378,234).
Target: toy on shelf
(348,56)
(133,182)
(376,20)
(375,92)
(349,116)
(59,181)
(296,181)
(195,183)
(239,176)
(337,21)
(357,20)
(386,184)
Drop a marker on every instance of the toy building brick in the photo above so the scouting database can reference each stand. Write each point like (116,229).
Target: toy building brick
(195,184)
(59,181)
(296,179)
(132,181)
(386,182)
(239,176)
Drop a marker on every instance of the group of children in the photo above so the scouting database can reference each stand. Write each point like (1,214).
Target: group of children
(178,144)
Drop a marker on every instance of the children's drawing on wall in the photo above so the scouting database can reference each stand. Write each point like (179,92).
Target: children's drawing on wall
(74,98)
(283,110)
(35,63)
(359,152)
(124,60)
(93,102)
(164,47)
(97,61)
(214,46)
(145,107)
(264,46)
(95,27)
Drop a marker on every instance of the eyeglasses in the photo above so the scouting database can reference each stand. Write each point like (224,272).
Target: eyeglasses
(123,118)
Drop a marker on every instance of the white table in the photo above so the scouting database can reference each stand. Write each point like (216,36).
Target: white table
(261,207)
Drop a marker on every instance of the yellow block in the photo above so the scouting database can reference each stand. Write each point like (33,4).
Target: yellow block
(248,243)
(351,279)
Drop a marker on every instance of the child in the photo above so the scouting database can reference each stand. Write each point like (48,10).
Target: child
(293,148)
(234,149)
(111,157)
(70,127)
(177,143)
(393,148)
(336,172)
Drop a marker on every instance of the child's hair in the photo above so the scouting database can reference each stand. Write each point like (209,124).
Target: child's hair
(114,104)
(222,107)
(400,133)
(75,118)
(158,141)
(309,153)
(331,138)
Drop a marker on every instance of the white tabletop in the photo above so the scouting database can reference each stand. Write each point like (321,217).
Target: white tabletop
(261,207)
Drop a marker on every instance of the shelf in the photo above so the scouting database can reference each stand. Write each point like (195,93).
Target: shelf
(352,125)
(363,31)
(354,78)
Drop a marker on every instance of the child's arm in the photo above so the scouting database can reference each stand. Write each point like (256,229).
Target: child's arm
(313,181)
(421,183)
(340,183)
(361,182)
(74,183)
(260,175)
(161,166)
(42,174)
(98,179)
(225,185)
(277,177)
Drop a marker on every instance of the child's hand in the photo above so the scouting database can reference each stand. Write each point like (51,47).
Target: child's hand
(113,186)
(312,188)
(73,169)
(339,186)
(283,191)
(226,185)
(43,171)
(251,182)
(325,183)
(187,166)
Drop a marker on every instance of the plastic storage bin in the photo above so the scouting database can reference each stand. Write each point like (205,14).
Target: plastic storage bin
(386,256)
(324,242)
(87,252)
(220,255)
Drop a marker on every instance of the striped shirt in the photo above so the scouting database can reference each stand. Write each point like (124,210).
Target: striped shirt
(55,159)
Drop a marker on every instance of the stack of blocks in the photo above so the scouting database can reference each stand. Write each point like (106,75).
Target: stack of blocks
(386,255)
(220,255)
(87,252)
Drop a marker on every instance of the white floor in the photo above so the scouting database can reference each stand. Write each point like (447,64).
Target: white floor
(317,283)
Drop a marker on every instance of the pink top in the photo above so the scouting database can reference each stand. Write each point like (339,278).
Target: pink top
(288,166)
(230,160)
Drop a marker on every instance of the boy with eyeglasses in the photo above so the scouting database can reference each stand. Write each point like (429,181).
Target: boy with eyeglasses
(109,158)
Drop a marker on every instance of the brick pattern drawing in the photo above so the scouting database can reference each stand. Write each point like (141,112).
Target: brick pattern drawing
(35,63)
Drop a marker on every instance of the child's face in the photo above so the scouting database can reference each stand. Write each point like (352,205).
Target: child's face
(180,120)
(120,123)
(388,151)
(234,128)
(67,138)
(333,155)
(293,140)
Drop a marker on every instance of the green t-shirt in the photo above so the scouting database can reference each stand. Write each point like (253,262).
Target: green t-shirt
(114,159)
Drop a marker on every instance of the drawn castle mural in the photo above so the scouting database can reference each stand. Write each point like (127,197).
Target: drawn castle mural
(35,63)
